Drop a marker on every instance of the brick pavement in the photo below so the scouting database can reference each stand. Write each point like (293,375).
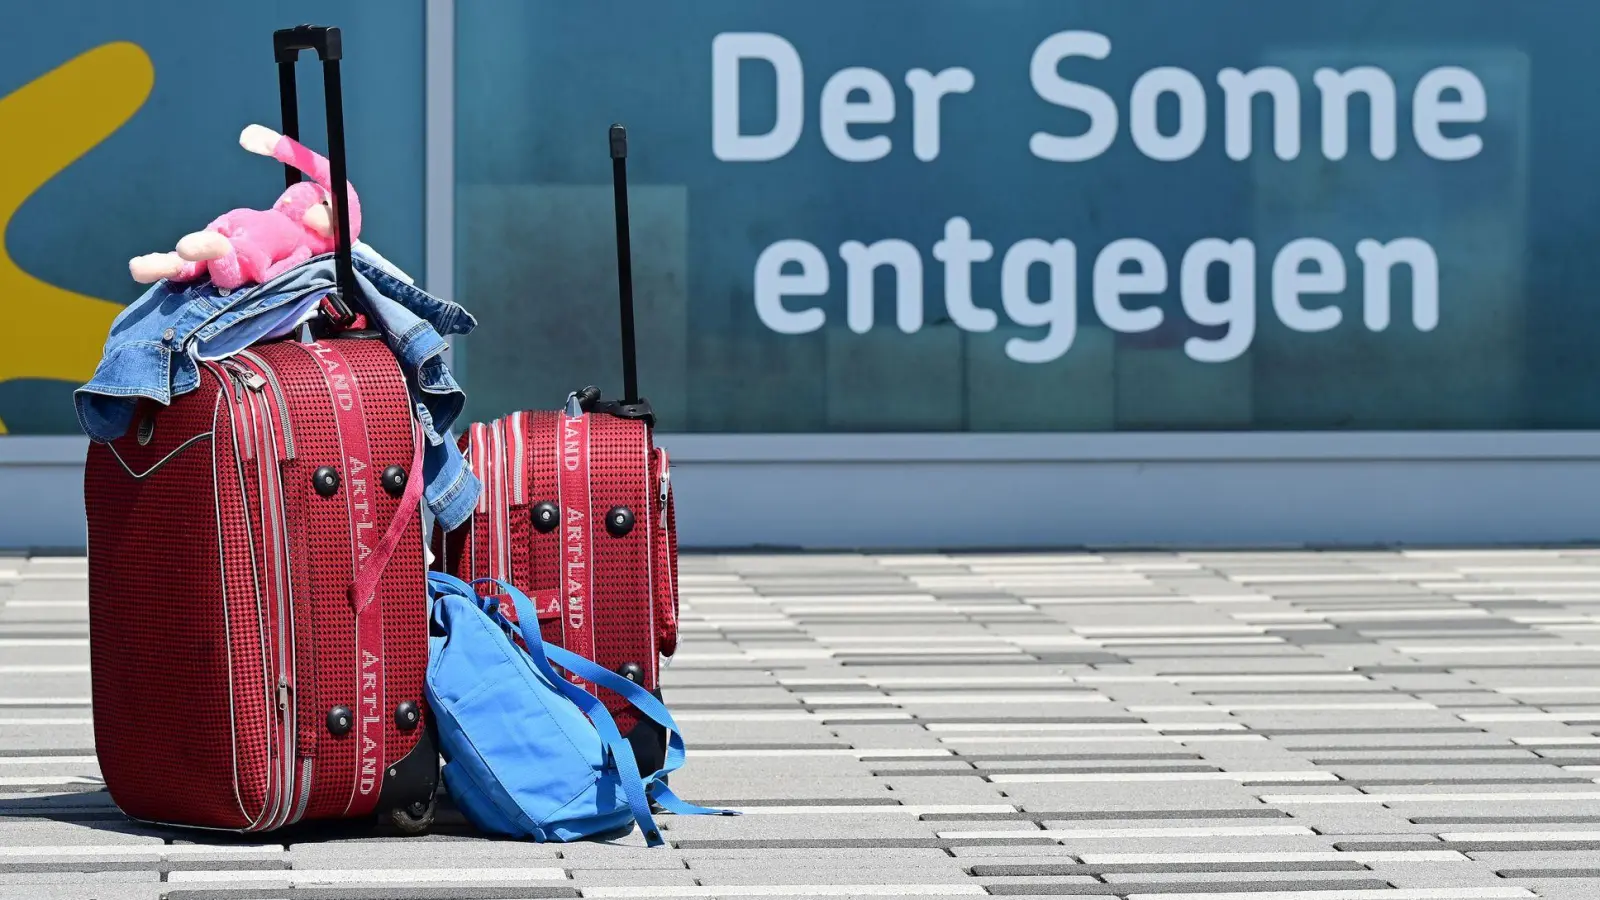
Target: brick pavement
(1270,726)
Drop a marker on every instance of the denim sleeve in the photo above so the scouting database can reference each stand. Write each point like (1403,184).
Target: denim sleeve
(452,490)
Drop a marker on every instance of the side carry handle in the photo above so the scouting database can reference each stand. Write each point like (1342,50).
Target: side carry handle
(329,46)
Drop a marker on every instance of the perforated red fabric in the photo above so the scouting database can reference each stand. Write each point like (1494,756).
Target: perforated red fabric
(160,661)
(331,560)
(634,575)
(183,612)
(544,550)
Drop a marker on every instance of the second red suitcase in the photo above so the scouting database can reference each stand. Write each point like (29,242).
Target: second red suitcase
(577,512)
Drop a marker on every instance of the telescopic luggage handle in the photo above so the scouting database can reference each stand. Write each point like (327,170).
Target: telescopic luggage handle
(632,406)
(327,43)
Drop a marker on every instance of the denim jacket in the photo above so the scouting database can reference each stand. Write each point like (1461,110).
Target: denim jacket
(150,353)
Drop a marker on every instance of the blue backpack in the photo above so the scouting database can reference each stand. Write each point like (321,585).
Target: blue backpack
(527,753)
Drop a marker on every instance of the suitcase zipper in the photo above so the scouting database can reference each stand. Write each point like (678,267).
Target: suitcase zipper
(519,497)
(277,393)
(305,792)
(271,500)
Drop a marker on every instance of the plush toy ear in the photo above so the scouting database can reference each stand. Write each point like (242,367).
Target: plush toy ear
(259,139)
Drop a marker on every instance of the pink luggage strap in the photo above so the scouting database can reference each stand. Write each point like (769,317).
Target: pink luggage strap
(365,587)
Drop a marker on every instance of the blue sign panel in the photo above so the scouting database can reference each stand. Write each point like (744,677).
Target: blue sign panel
(967,215)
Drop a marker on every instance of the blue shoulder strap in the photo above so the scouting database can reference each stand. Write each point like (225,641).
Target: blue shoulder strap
(633,786)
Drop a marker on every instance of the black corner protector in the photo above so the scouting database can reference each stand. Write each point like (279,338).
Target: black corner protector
(416,775)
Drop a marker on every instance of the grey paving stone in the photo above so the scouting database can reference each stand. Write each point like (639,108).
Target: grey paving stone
(101,891)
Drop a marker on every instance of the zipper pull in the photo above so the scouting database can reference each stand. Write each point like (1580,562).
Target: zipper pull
(283,692)
(666,489)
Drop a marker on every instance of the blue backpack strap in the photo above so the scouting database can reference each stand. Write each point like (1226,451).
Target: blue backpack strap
(621,751)
(647,704)
(642,700)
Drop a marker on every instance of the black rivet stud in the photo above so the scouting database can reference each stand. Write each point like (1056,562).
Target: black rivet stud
(406,716)
(619,521)
(631,671)
(340,721)
(326,481)
(545,517)
(394,480)
(652,835)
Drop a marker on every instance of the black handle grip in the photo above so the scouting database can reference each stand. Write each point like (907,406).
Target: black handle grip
(324,39)
(619,185)
(329,46)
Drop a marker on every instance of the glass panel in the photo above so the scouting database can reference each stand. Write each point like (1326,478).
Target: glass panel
(120,125)
(958,215)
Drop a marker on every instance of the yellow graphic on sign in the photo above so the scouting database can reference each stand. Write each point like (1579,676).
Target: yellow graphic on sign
(45,126)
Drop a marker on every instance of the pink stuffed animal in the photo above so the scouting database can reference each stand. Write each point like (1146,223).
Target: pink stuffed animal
(249,246)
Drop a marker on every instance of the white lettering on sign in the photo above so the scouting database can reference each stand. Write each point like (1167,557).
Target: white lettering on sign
(1126,276)
(853,96)
(1168,111)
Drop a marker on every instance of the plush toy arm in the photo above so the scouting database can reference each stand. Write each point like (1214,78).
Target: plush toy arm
(263,140)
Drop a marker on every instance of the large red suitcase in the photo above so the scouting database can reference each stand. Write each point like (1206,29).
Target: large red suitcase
(241,677)
(257,584)
(577,512)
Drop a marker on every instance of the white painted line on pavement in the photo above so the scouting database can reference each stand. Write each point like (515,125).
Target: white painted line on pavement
(1520,649)
(1586,741)
(44,670)
(44,642)
(1553,690)
(1455,893)
(9,720)
(1344,577)
(46,760)
(370,876)
(1104,739)
(820,717)
(150,851)
(1157,630)
(47,604)
(785,890)
(932,681)
(1512,837)
(1115,600)
(827,751)
(1496,796)
(1186,641)
(1205,859)
(877,809)
(986,640)
(1150,832)
(1397,706)
(19,780)
(1274,678)
(1489,718)
(44,701)
(984,727)
(1364,615)
(1020,698)
(1114,777)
